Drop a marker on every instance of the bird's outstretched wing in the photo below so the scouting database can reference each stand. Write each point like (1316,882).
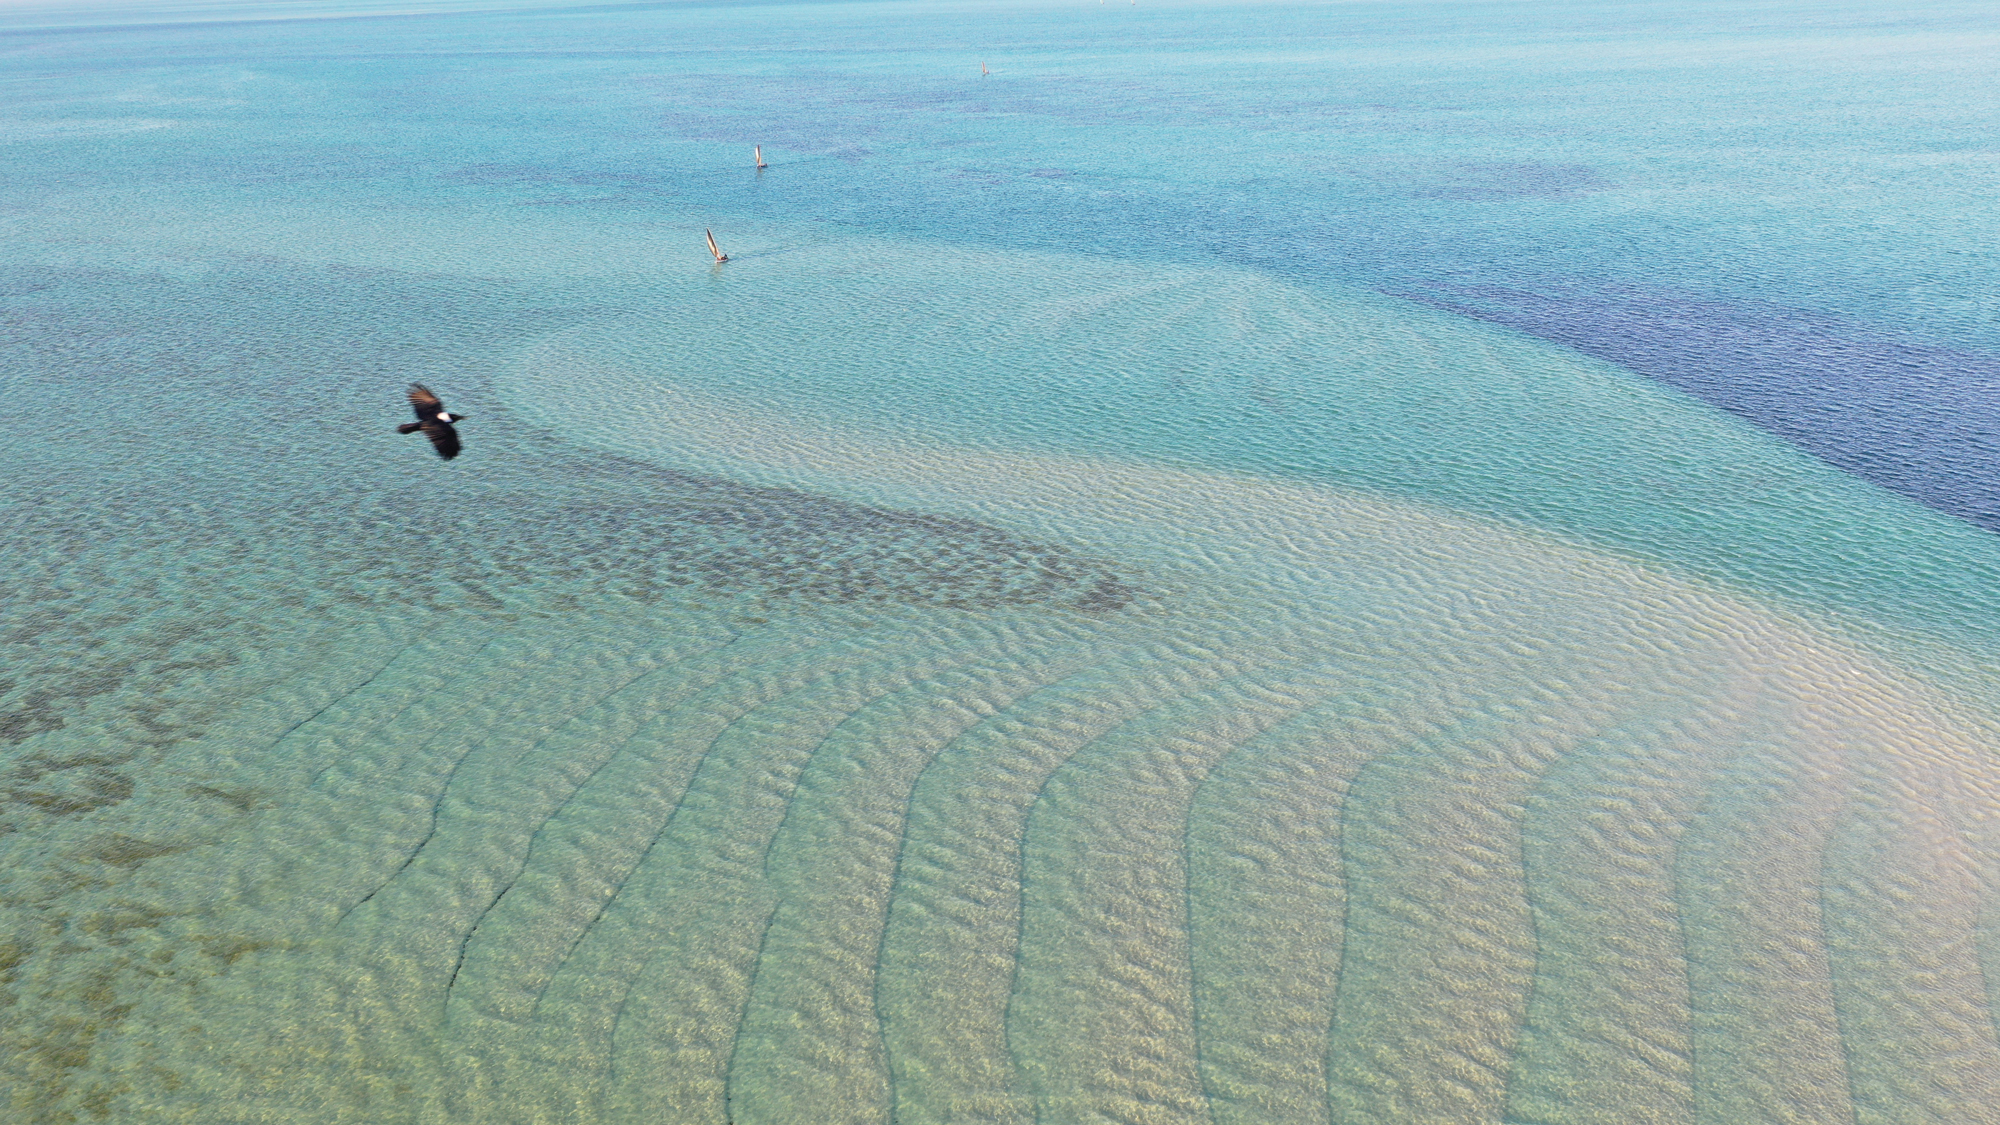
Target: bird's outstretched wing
(444,438)
(424,402)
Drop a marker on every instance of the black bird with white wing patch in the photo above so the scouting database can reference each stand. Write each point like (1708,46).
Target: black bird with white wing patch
(434,420)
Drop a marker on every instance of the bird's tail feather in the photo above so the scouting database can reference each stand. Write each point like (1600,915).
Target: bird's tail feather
(409,427)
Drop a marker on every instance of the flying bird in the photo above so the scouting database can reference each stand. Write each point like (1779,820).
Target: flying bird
(433,420)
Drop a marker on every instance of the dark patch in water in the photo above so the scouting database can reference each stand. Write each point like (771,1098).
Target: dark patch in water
(67,786)
(204,482)
(242,800)
(203,525)
(1919,418)
(120,850)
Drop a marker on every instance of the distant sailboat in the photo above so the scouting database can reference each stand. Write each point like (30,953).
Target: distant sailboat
(760,158)
(720,257)
(983,72)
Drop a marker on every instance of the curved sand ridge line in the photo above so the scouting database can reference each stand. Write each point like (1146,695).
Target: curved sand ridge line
(1585,836)
(1357,810)
(1232,369)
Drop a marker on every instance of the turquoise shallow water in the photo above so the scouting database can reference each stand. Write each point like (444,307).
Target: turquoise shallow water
(1421,563)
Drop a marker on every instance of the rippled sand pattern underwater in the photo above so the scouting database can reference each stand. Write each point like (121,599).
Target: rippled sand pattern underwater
(888,679)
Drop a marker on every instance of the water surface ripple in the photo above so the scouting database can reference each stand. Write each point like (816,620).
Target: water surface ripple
(1253,564)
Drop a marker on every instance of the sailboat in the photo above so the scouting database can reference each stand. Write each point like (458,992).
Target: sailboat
(983,72)
(720,257)
(760,158)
